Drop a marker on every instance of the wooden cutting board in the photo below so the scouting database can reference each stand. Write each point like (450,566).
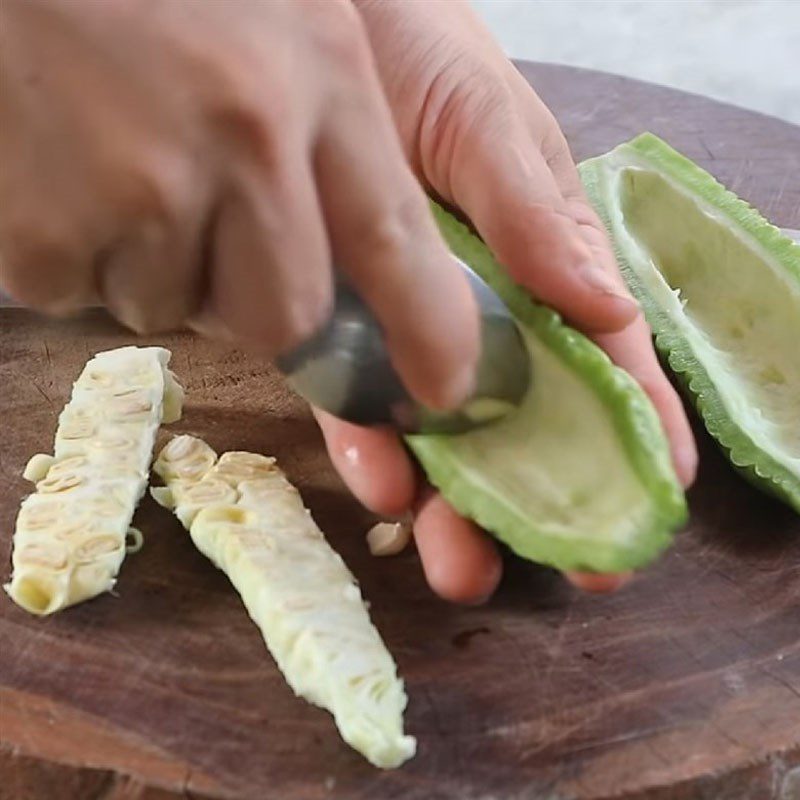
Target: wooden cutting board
(684,685)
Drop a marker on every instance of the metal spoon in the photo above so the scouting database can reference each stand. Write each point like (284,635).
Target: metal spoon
(345,369)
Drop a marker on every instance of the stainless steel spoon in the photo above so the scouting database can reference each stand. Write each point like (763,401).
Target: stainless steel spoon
(345,368)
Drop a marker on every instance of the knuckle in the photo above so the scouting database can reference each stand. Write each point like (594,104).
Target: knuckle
(248,102)
(468,89)
(536,220)
(252,125)
(146,316)
(143,323)
(387,234)
(547,130)
(464,91)
(539,212)
(157,191)
(340,39)
(304,318)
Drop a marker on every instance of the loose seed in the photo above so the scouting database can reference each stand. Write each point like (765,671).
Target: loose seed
(388,538)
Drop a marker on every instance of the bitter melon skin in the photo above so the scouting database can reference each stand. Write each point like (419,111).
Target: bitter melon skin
(755,422)
(69,541)
(604,496)
(245,516)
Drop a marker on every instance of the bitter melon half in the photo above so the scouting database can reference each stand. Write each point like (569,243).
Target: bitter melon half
(580,476)
(69,541)
(720,287)
(245,516)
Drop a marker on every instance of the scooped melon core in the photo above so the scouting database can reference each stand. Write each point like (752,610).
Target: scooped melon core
(752,356)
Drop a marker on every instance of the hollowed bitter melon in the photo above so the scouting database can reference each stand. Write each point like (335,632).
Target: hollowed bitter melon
(69,541)
(579,477)
(245,516)
(720,287)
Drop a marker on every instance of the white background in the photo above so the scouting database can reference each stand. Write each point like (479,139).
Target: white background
(745,52)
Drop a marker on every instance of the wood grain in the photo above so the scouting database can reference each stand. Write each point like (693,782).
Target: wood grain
(684,685)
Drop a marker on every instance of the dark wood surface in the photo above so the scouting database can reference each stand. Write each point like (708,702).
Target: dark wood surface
(684,685)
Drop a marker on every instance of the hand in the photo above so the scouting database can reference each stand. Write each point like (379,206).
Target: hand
(203,163)
(478,136)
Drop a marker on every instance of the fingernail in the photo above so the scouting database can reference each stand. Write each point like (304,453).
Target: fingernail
(598,582)
(686,465)
(600,281)
(459,388)
(208,324)
(492,581)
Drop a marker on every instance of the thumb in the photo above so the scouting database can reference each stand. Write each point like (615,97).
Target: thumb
(501,180)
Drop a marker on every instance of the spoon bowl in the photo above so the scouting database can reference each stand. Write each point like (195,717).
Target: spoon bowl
(345,368)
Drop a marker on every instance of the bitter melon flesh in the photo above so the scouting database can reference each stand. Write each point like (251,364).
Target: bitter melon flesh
(579,477)
(720,287)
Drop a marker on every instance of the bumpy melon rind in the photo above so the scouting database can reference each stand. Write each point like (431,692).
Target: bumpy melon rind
(758,467)
(634,419)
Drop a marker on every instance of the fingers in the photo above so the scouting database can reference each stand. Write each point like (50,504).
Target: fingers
(148,274)
(44,268)
(461,563)
(598,583)
(373,464)
(504,185)
(384,238)
(632,349)
(45,255)
(150,283)
(269,277)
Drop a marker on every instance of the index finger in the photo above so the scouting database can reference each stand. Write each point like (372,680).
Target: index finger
(384,238)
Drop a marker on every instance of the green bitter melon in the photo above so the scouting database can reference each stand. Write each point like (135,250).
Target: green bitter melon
(580,476)
(720,287)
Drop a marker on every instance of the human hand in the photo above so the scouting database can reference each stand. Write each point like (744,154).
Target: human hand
(204,162)
(479,137)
